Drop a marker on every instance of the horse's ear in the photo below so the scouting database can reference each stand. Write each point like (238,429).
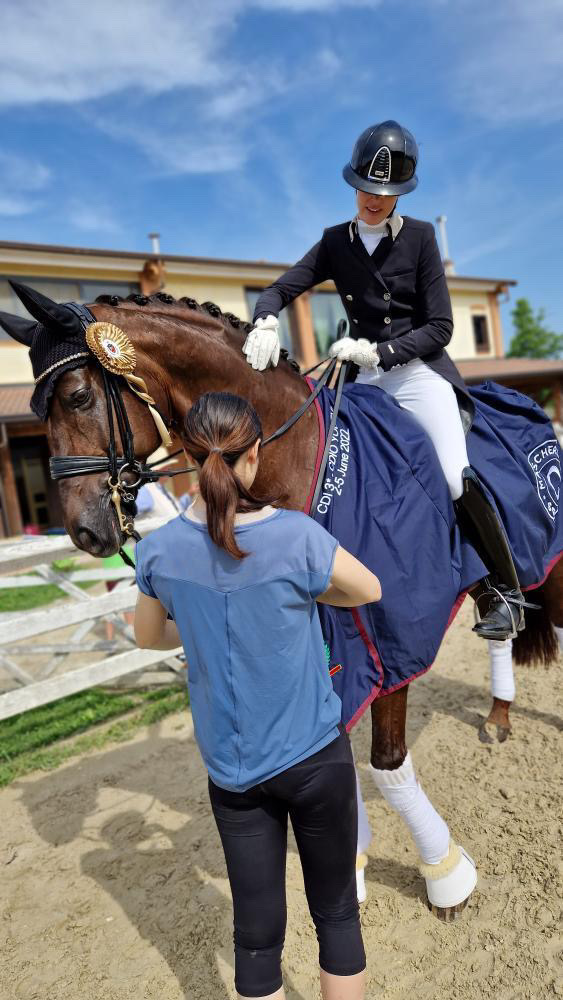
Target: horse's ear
(58,319)
(19,328)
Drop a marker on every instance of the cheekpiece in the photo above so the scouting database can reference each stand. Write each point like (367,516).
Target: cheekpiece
(112,348)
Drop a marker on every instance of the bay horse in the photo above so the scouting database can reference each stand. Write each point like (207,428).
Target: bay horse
(183,350)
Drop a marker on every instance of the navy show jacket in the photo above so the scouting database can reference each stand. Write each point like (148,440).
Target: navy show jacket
(396,298)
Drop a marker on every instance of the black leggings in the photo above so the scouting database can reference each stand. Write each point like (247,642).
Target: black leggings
(319,796)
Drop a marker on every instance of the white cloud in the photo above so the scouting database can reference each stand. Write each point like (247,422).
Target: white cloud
(92,217)
(116,61)
(506,59)
(21,179)
(67,51)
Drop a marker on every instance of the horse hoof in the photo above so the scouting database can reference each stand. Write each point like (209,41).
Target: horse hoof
(450,883)
(489,731)
(448,913)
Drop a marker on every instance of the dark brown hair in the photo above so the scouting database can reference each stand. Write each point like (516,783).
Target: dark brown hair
(218,429)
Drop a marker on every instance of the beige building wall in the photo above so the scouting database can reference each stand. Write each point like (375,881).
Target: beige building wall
(223,282)
(229,295)
(15,366)
(465,305)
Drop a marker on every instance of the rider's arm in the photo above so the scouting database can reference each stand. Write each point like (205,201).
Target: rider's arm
(351,583)
(309,271)
(152,629)
(432,305)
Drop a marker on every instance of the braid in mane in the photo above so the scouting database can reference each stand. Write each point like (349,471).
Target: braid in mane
(209,307)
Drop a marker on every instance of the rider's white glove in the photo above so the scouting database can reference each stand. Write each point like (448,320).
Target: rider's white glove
(360,352)
(262,346)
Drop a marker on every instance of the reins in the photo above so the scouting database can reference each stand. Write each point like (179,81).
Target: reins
(122,492)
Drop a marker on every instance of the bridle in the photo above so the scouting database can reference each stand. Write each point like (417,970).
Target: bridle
(123,492)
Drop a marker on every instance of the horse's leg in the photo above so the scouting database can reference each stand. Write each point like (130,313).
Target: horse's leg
(497,723)
(552,592)
(449,873)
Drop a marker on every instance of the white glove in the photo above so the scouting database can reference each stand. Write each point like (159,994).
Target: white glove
(360,352)
(262,346)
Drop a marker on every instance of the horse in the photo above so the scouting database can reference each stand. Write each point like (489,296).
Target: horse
(184,349)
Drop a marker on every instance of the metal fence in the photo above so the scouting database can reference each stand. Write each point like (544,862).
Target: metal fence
(52,678)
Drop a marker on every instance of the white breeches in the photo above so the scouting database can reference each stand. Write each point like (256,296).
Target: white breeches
(432,400)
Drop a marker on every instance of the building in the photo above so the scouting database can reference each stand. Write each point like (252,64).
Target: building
(27,495)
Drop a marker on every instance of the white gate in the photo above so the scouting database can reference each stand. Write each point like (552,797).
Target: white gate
(19,631)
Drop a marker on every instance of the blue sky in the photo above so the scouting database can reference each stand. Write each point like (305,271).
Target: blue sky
(225,125)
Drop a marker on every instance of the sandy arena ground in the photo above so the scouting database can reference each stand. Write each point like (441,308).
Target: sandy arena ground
(113,884)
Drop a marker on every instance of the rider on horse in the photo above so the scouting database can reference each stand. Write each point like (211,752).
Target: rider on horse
(389,275)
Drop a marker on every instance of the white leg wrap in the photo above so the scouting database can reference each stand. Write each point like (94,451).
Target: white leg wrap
(401,790)
(502,675)
(559,634)
(364,840)
(453,880)
(364,829)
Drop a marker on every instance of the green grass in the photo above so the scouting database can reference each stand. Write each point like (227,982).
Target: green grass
(33,740)
(27,598)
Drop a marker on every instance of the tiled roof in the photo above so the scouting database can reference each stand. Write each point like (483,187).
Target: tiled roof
(14,403)
(515,369)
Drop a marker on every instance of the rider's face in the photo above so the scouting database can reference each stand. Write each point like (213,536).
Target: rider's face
(374,208)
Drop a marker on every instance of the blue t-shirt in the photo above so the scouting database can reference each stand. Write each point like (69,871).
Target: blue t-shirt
(261,694)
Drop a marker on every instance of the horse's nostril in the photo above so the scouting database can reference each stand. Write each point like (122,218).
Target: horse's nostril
(86,539)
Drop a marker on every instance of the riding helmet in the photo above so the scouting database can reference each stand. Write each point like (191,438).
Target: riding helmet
(384,160)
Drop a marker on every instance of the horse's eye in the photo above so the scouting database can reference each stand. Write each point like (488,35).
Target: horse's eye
(79,398)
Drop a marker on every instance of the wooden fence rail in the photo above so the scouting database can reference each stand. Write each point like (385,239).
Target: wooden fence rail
(18,631)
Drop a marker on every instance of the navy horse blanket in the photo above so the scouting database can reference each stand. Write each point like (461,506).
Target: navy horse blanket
(385,498)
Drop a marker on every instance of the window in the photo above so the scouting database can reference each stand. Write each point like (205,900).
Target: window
(327,310)
(285,317)
(60,290)
(481,333)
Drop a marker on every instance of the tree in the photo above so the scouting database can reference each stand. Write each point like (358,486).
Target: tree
(532,338)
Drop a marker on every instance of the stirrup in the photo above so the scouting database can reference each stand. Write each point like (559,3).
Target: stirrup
(514,603)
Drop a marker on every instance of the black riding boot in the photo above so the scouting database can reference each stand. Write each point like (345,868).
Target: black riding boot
(505,613)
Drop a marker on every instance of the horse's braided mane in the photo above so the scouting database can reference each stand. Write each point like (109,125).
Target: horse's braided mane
(209,307)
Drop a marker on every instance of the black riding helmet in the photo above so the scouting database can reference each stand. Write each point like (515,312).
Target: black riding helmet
(384,160)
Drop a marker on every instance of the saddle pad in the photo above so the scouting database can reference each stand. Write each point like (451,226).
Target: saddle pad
(386,500)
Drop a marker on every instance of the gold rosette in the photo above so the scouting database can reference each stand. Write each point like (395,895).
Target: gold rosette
(112,348)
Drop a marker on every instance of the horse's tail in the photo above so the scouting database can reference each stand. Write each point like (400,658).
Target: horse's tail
(538,641)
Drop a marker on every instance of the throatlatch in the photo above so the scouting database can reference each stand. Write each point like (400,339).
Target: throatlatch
(505,615)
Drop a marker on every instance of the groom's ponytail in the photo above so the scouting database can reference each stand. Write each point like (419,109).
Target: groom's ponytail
(218,429)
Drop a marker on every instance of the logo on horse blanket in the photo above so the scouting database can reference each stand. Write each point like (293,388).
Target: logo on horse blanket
(546,464)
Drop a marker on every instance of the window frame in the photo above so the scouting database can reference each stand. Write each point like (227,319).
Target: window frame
(484,348)
(321,352)
(18,309)
(289,315)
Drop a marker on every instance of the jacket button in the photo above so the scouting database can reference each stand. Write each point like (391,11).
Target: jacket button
(387,320)
(349,298)
(354,320)
(387,296)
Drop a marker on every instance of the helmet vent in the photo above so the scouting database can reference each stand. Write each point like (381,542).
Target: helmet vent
(380,168)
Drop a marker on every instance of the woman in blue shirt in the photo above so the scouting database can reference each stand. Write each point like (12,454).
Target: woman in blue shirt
(235,581)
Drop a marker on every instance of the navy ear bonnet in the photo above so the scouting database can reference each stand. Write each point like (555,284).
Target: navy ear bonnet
(48,354)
